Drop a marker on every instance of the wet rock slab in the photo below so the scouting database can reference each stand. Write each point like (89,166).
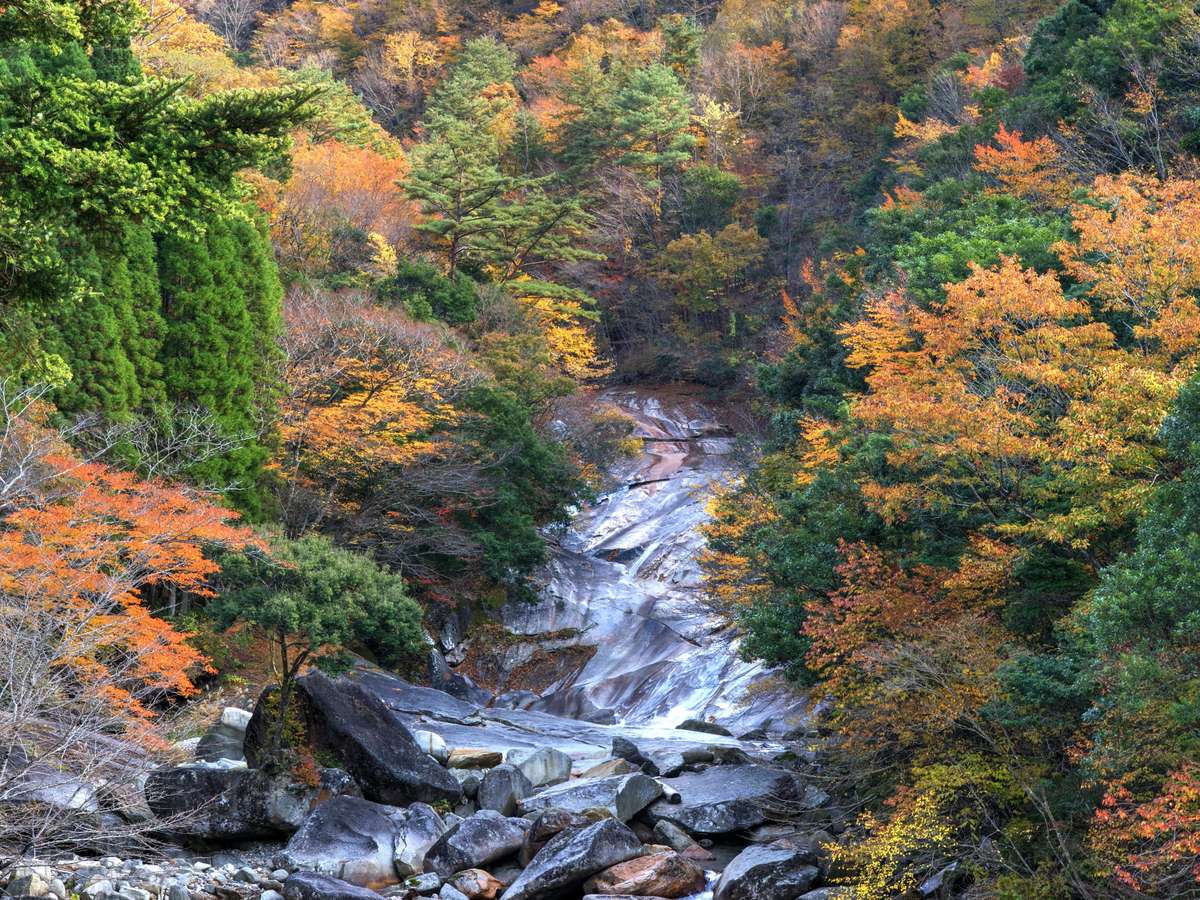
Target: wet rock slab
(624,796)
(722,799)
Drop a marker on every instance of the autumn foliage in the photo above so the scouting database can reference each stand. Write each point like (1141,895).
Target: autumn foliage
(89,547)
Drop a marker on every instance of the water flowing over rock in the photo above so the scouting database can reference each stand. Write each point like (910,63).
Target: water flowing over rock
(625,582)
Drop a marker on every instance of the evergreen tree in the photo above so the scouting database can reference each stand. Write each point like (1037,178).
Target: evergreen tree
(651,118)
(221,299)
(92,149)
(480,212)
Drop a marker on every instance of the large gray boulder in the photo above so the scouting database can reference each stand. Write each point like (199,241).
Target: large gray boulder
(345,720)
(724,798)
(315,886)
(359,841)
(622,795)
(704,727)
(476,841)
(543,766)
(545,826)
(502,789)
(422,828)
(236,804)
(572,857)
(225,739)
(767,872)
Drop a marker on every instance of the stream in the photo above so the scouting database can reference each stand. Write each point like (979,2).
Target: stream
(624,581)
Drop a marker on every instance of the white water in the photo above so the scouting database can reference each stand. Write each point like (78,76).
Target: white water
(627,577)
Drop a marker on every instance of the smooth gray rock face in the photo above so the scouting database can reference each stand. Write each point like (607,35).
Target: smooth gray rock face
(724,798)
(351,839)
(364,843)
(316,886)
(543,766)
(224,740)
(516,700)
(502,789)
(622,795)
(474,842)
(421,830)
(432,743)
(346,720)
(237,804)
(426,883)
(548,823)
(771,872)
(572,857)
(673,836)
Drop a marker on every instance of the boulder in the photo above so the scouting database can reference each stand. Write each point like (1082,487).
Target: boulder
(421,830)
(450,892)
(679,840)
(502,789)
(667,763)
(611,767)
(829,893)
(767,872)
(346,720)
(433,745)
(476,841)
(543,766)
(668,874)
(730,756)
(354,840)
(546,825)
(426,883)
(474,758)
(705,727)
(624,796)
(315,886)
(224,740)
(516,700)
(476,884)
(623,748)
(233,804)
(469,779)
(572,857)
(33,782)
(724,799)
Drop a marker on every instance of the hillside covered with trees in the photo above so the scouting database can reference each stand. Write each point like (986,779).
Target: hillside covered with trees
(299,300)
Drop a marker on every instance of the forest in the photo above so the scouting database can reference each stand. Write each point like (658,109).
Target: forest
(300,300)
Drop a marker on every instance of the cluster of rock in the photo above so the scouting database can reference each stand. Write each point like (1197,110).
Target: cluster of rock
(398,813)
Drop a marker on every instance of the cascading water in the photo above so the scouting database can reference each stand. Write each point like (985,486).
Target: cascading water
(625,578)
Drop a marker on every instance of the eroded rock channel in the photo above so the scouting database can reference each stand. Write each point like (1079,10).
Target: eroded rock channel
(642,766)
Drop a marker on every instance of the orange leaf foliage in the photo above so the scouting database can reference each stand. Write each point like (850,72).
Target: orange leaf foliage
(1138,248)
(1031,170)
(1159,839)
(85,547)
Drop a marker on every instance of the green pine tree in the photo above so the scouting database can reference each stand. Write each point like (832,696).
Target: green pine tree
(221,302)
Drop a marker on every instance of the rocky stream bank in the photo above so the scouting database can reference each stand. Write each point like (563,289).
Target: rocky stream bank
(606,741)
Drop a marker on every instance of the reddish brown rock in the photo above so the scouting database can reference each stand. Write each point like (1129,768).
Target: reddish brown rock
(667,874)
(476,884)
